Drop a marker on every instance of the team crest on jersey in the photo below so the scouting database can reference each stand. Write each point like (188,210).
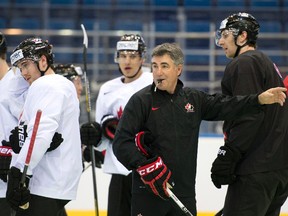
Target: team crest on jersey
(189,108)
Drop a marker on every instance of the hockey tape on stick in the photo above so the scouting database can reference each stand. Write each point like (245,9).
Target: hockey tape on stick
(29,153)
(177,201)
(88,107)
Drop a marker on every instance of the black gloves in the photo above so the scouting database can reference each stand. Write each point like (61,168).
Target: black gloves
(17,137)
(17,195)
(109,124)
(223,167)
(90,134)
(143,140)
(155,175)
(56,141)
(99,157)
(5,160)
(19,134)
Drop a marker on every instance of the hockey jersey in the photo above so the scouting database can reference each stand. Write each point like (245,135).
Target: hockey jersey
(55,174)
(13,90)
(112,98)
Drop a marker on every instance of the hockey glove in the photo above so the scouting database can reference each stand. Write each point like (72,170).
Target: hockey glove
(143,141)
(109,124)
(90,134)
(223,167)
(16,194)
(99,157)
(17,138)
(155,175)
(56,141)
(5,160)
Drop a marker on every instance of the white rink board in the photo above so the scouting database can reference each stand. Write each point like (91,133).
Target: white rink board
(209,198)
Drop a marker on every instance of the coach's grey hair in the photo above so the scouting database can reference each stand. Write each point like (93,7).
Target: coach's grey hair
(171,49)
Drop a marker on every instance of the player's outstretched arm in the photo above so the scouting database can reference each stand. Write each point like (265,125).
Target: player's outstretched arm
(273,95)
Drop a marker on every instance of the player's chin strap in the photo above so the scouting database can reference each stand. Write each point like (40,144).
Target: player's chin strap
(239,48)
(41,71)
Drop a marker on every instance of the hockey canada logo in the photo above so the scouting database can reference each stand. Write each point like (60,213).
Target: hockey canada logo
(189,108)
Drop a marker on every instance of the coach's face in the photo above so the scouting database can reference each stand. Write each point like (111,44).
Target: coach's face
(165,73)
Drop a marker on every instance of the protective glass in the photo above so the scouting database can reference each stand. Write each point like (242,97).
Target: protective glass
(224,33)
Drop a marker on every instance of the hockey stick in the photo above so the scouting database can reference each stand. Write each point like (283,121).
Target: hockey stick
(88,107)
(29,153)
(177,201)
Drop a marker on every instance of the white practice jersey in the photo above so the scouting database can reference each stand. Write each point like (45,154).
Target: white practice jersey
(55,174)
(112,98)
(13,89)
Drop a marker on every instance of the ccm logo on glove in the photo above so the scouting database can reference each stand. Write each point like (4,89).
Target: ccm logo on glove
(149,168)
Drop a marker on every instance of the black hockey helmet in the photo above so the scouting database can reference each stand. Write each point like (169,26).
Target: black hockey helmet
(3,44)
(32,48)
(130,42)
(68,70)
(237,23)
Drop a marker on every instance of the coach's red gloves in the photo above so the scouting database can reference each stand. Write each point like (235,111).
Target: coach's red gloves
(143,141)
(223,167)
(5,160)
(109,124)
(155,175)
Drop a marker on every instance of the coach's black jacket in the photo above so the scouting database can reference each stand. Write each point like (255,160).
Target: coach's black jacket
(174,121)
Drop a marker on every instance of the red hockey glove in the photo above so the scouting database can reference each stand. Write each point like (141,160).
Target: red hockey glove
(155,175)
(17,195)
(109,124)
(143,141)
(91,134)
(5,160)
(223,167)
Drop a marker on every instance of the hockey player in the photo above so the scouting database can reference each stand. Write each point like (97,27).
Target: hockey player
(112,98)
(13,89)
(54,175)
(255,166)
(74,74)
(172,114)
